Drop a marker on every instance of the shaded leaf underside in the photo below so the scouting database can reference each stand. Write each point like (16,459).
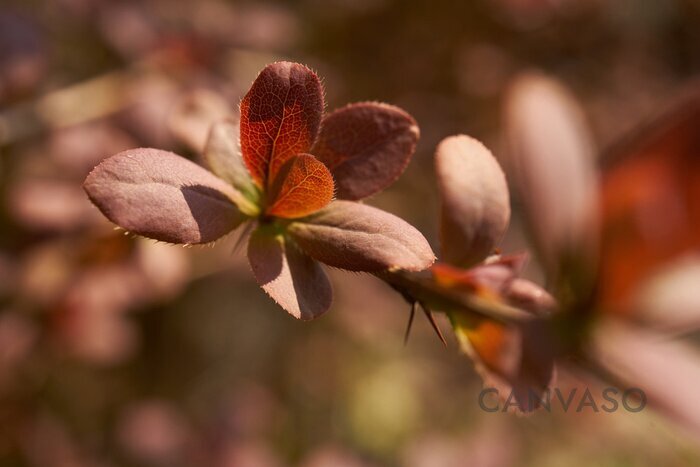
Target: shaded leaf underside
(296,282)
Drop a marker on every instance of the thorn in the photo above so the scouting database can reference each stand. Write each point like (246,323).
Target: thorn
(431,318)
(410,323)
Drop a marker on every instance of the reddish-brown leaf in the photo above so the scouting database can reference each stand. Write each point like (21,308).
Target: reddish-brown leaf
(357,237)
(163,196)
(475,202)
(303,186)
(296,282)
(650,201)
(366,146)
(280,117)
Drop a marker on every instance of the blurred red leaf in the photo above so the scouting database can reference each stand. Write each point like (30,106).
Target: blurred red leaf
(163,196)
(296,282)
(357,237)
(303,186)
(518,360)
(650,201)
(280,117)
(366,146)
(475,201)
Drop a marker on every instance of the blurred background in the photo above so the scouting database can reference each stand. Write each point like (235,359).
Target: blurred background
(120,351)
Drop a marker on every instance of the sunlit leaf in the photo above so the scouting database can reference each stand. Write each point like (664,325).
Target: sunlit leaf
(280,117)
(357,237)
(222,154)
(163,196)
(366,146)
(475,202)
(296,282)
(650,201)
(303,186)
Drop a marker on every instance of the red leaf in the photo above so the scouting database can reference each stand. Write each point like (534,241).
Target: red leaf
(475,200)
(650,201)
(280,117)
(163,196)
(357,237)
(366,146)
(296,282)
(303,186)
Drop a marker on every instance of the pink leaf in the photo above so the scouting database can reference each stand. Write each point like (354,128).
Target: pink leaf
(550,159)
(668,371)
(296,282)
(366,146)
(163,196)
(475,201)
(357,237)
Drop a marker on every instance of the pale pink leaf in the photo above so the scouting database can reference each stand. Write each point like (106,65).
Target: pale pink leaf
(475,202)
(357,237)
(163,196)
(667,371)
(550,159)
(222,154)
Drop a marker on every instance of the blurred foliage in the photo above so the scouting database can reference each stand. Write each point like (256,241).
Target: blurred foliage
(119,351)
